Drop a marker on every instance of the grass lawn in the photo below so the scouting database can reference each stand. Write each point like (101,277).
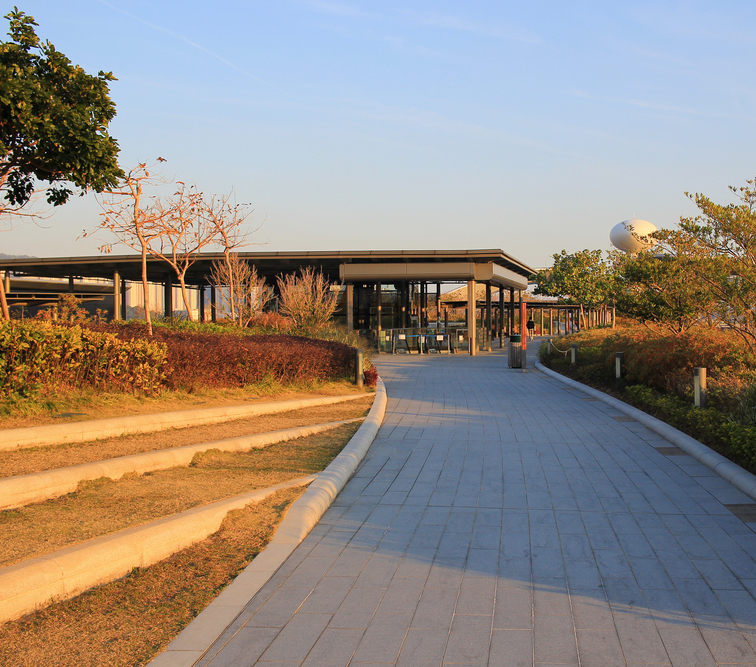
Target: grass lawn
(24,461)
(104,506)
(129,621)
(90,404)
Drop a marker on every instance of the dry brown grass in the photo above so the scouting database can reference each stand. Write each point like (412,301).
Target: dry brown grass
(127,622)
(89,404)
(104,506)
(21,462)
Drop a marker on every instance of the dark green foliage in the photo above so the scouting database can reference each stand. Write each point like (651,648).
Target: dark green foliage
(660,289)
(53,120)
(584,277)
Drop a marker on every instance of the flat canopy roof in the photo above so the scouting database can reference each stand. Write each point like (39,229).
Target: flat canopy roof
(503,268)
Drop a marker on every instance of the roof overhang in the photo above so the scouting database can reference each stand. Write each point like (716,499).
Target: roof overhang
(486,272)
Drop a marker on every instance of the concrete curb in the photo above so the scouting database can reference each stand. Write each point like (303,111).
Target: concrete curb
(193,642)
(83,431)
(63,574)
(741,479)
(37,486)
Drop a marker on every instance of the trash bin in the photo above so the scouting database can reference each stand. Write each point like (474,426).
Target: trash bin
(515,351)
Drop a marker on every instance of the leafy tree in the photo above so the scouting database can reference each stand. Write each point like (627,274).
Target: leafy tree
(719,250)
(53,120)
(53,124)
(661,291)
(584,277)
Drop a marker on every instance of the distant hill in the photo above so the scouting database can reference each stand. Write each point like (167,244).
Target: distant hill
(4,256)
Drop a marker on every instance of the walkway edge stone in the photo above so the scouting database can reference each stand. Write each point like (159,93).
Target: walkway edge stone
(740,478)
(21,490)
(60,575)
(93,429)
(192,643)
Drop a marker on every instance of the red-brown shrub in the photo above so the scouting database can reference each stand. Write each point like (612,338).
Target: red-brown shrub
(235,360)
(371,377)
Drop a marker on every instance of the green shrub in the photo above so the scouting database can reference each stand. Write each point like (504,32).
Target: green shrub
(38,356)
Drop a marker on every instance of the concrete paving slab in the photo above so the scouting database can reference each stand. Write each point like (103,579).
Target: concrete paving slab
(501,520)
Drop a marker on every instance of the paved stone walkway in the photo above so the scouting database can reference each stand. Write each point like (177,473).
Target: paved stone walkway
(501,519)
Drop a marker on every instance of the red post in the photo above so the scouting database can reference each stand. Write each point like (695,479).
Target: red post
(523,320)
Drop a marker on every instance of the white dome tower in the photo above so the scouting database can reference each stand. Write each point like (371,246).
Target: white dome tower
(629,241)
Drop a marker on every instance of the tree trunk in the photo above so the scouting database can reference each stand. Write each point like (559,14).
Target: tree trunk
(185,296)
(3,301)
(146,291)
(232,293)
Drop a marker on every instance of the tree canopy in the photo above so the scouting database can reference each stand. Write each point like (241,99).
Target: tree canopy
(718,248)
(583,277)
(53,121)
(659,290)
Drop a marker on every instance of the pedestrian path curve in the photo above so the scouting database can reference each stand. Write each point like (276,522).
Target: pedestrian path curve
(505,518)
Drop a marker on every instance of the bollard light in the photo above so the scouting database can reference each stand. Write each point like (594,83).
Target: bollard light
(619,358)
(700,395)
(574,353)
(358,367)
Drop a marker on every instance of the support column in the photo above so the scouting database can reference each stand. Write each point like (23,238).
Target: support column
(168,296)
(523,319)
(488,317)
(213,304)
(124,311)
(500,326)
(405,304)
(70,284)
(510,328)
(117,315)
(378,313)
(471,342)
(438,306)
(7,282)
(350,306)
(423,304)
(201,302)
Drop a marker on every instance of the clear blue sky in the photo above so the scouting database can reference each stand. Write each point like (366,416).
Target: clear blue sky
(529,127)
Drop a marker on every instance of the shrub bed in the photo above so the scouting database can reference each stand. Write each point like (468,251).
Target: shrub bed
(43,357)
(232,359)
